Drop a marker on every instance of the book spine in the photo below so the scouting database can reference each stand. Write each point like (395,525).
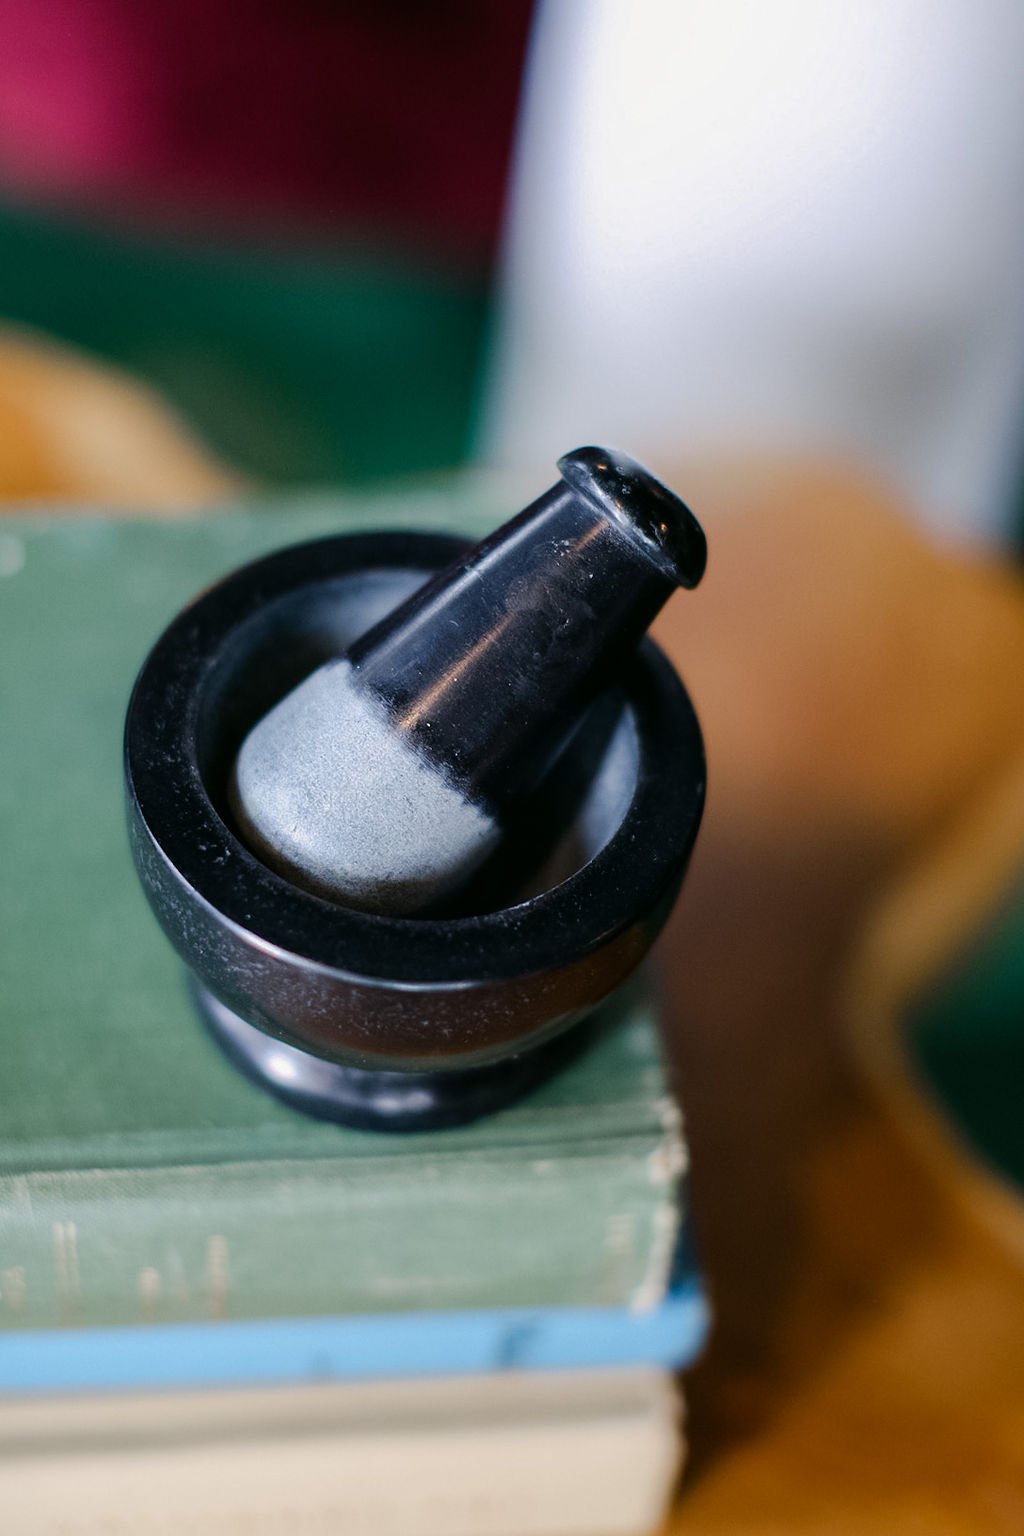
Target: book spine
(115,1248)
(562,1458)
(436,1344)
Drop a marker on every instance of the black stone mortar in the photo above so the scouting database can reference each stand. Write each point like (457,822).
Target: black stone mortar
(386,1022)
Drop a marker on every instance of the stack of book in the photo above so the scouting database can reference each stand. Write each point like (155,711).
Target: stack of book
(218,1314)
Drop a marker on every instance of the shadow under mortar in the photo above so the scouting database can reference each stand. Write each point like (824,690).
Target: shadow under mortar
(384,1022)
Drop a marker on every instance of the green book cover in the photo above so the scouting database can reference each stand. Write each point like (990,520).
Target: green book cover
(141,1177)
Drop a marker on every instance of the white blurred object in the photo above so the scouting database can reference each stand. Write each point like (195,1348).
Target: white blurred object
(790,226)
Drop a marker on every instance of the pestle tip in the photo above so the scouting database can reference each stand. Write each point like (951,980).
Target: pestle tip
(642,506)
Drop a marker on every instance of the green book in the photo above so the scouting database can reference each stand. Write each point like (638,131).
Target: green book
(141,1177)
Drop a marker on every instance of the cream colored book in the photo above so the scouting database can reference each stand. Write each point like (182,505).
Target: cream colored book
(584,1453)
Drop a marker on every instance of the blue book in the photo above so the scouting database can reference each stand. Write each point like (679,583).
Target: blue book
(318,1349)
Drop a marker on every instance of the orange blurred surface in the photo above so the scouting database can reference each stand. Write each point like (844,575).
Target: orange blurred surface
(77,433)
(860,697)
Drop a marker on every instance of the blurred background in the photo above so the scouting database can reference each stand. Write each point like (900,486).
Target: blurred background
(250,247)
(346,240)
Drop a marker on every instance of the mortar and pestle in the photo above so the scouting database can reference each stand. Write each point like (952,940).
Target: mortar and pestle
(409,809)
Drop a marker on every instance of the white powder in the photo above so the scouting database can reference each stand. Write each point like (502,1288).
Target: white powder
(328,792)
